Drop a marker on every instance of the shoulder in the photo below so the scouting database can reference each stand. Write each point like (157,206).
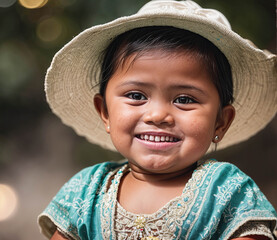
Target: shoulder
(220,166)
(231,185)
(228,199)
(92,175)
(70,208)
(90,180)
(235,198)
(226,173)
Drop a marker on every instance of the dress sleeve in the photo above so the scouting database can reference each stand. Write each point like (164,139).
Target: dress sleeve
(231,202)
(72,207)
(244,208)
(261,228)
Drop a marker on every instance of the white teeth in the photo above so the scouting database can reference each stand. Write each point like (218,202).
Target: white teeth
(157,138)
(151,138)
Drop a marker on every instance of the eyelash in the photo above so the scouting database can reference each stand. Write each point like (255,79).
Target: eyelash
(188,100)
(132,95)
(137,96)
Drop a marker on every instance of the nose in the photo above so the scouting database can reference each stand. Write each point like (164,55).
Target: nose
(158,115)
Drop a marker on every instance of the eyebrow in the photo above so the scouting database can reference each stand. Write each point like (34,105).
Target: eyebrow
(136,83)
(188,87)
(173,87)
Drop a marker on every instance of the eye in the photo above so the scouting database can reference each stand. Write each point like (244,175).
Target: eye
(136,96)
(184,100)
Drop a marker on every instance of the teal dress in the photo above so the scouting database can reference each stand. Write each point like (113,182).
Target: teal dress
(216,202)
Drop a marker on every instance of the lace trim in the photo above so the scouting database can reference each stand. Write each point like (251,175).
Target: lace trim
(135,226)
(166,223)
(64,234)
(107,207)
(254,228)
(49,226)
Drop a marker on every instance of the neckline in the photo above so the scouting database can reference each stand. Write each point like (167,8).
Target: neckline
(177,211)
(149,215)
(120,173)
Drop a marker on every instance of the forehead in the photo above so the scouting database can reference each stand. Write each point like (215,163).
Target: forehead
(174,55)
(156,67)
(162,52)
(175,61)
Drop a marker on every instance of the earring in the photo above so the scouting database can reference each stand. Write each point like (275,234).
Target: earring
(108,129)
(216,139)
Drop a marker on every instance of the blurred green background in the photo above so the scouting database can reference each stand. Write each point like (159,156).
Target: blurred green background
(37,152)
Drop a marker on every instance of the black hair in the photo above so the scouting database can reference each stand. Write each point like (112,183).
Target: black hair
(168,39)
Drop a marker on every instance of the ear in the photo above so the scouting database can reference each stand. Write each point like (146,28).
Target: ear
(99,104)
(224,121)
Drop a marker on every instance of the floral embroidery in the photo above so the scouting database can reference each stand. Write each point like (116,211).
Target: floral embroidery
(210,229)
(81,207)
(226,191)
(255,195)
(230,212)
(75,185)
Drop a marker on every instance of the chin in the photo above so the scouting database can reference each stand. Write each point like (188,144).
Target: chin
(156,166)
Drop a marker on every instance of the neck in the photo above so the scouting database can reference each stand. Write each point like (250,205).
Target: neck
(160,178)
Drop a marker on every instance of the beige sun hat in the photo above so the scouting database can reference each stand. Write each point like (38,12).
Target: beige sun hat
(74,71)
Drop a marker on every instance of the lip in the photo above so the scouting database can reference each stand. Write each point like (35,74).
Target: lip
(154,133)
(172,140)
(158,134)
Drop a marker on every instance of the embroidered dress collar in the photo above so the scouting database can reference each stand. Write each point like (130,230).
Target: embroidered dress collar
(164,224)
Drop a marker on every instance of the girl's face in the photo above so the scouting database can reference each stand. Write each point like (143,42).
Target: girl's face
(162,111)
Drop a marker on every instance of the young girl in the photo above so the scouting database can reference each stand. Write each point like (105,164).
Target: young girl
(172,78)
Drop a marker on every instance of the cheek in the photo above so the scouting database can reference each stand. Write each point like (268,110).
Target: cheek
(121,117)
(122,124)
(198,138)
(201,128)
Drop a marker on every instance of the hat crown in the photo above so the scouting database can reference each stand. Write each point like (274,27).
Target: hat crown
(182,8)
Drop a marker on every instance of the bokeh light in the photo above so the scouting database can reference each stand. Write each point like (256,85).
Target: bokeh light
(49,30)
(33,3)
(8,201)
(55,31)
(7,3)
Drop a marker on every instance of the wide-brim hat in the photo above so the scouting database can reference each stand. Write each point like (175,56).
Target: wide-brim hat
(73,77)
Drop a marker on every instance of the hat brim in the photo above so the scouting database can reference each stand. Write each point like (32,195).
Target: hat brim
(72,79)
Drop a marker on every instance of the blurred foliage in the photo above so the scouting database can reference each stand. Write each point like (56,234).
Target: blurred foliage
(30,37)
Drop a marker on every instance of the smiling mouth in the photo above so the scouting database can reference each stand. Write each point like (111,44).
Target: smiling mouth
(155,138)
